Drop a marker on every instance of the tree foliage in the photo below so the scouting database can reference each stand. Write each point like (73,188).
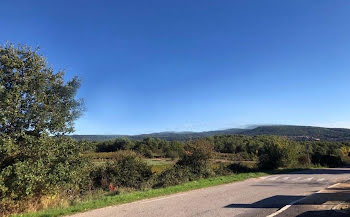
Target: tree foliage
(278,152)
(33,98)
(37,107)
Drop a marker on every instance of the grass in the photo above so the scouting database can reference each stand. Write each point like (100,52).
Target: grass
(108,200)
(159,161)
(160,164)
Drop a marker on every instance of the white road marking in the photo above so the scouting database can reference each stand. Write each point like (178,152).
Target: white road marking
(332,186)
(285,178)
(294,202)
(284,208)
(320,180)
(274,178)
(296,179)
(264,177)
(308,179)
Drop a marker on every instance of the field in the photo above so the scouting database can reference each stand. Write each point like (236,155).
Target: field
(160,164)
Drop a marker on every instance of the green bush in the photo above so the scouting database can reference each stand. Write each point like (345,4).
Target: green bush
(174,150)
(194,164)
(304,160)
(127,170)
(221,169)
(174,176)
(327,160)
(278,152)
(117,144)
(239,168)
(197,157)
(43,166)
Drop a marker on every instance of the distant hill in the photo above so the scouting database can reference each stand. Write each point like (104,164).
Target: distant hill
(188,135)
(302,132)
(96,137)
(293,132)
(162,135)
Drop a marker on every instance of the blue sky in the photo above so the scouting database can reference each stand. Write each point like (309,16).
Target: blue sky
(150,66)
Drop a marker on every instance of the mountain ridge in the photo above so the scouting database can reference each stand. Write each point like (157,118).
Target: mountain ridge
(291,131)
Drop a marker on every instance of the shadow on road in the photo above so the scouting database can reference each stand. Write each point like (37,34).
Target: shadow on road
(277,201)
(323,213)
(320,204)
(324,171)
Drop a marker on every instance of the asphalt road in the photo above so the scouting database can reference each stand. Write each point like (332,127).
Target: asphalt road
(254,197)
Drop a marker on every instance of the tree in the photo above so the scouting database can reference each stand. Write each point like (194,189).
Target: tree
(278,152)
(34,99)
(36,108)
(197,156)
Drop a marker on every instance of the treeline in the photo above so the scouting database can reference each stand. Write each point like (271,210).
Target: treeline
(148,147)
(324,153)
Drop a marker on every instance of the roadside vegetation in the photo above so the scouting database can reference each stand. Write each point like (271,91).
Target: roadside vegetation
(42,169)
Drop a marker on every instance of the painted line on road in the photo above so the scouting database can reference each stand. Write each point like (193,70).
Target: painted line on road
(332,186)
(264,177)
(284,208)
(320,180)
(285,178)
(294,202)
(296,179)
(308,179)
(274,178)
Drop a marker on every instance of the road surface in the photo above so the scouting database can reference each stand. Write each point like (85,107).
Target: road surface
(254,197)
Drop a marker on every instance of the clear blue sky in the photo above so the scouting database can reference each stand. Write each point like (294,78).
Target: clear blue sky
(164,65)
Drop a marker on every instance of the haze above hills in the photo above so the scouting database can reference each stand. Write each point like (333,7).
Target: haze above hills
(290,131)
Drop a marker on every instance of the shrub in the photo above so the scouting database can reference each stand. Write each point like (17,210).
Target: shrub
(99,177)
(174,150)
(172,154)
(326,160)
(303,160)
(221,169)
(117,144)
(197,157)
(174,176)
(193,165)
(45,166)
(278,152)
(239,168)
(127,170)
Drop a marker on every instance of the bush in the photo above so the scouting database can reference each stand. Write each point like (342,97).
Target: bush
(174,176)
(172,154)
(303,160)
(221,169)
(193,165)
(116,145)
(278,152)
(239,168)
(127,170)
(174,150)
(197,157)
(44,166)
(326,160)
